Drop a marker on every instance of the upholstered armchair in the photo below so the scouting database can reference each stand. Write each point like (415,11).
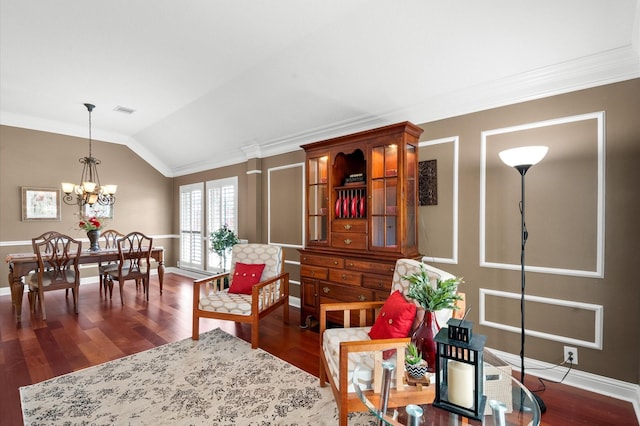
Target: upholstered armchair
(257,286)
(342,349)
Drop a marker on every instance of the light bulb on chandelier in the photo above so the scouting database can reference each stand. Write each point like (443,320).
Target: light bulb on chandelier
(89,191)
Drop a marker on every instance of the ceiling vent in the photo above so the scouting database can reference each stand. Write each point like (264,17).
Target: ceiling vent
(124,110)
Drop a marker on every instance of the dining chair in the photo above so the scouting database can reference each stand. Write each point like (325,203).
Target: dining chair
(134,262)
(110,238)
(58,257)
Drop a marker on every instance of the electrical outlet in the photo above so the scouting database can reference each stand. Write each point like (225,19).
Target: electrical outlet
(574,355)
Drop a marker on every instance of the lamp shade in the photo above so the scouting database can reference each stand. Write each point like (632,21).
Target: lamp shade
(523,156)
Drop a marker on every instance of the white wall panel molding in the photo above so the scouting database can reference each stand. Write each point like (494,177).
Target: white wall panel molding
(598,268)
(455,140)
(269,218)
(598,313)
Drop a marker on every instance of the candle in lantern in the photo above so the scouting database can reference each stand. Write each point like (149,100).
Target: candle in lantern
(460,383)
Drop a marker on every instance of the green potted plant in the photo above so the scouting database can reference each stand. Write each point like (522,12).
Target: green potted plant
(221,241)
(413,362)
(432,297)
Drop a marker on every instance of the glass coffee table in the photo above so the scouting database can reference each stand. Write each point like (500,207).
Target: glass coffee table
(508,403)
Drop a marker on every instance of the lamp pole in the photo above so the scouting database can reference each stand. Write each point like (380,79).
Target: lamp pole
(522,169)
(522,159)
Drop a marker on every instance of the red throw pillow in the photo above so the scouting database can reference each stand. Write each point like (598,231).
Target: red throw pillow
(245,276)
(395,318)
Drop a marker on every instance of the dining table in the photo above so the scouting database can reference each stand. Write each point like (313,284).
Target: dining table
(20,264)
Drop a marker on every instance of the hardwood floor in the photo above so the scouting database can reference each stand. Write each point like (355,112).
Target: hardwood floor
(105,330)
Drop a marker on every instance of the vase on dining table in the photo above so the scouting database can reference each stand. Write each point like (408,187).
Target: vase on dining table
(424,338)
(93,236)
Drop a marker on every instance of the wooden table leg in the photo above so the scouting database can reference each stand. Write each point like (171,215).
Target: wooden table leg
(17,290)
(161,273)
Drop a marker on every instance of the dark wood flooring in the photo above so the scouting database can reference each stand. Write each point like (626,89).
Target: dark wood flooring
(104,330)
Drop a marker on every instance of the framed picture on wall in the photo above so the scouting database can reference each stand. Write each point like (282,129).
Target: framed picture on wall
(40,203)
(97,210)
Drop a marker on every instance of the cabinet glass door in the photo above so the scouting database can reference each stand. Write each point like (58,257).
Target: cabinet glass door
(317,199)
(384,196)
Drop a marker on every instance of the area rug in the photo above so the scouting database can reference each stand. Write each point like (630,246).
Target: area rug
(218,380)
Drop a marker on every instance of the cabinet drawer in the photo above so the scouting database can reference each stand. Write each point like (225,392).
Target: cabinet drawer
(347,240)
(343,276)
(343,293)
(326,261)
(349,225)
(314,272)
(383,296)
(375,267)
(377,282)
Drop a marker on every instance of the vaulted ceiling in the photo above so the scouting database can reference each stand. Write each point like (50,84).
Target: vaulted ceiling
(214,82)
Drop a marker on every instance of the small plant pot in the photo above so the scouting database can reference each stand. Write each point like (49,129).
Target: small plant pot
(416,371)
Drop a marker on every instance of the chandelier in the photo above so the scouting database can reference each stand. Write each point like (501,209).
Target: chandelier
(89,191)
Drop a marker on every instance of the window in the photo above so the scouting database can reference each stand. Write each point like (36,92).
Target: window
(219,205)
(222,208)
(191,238)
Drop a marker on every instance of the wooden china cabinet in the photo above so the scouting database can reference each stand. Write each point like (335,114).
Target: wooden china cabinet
(361,215)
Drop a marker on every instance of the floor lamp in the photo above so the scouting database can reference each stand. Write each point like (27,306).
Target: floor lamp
(522,159)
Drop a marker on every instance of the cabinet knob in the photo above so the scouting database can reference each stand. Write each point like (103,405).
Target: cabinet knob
(347,226)
(335,262)
(313,273)
(326,290)
(305,258)
(351,265)
(347,241)
(362,298)
(344,276)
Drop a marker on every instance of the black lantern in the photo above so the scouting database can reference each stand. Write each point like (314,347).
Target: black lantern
(459,370)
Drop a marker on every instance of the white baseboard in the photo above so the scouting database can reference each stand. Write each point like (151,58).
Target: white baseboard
(580,379)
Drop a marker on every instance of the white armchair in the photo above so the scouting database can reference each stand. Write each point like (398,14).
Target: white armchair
(255,300)
(344,348)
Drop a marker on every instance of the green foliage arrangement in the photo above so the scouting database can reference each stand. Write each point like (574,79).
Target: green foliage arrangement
(222,240)
(433,298)
(413,356)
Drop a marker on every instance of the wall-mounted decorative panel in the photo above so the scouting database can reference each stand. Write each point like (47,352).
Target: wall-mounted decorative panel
(286,208)
(438,223)
(564,197)
(583,324)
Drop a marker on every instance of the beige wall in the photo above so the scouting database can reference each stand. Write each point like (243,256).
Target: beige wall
(269,202)
(560,214)
(39,159)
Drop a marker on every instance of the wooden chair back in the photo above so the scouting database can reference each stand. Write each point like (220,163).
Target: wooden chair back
(58,255)
(58,259)
(110,238)
(134,262)
(134,254)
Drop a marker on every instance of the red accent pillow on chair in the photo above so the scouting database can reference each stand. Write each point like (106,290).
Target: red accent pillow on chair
(395,318)
(245,276)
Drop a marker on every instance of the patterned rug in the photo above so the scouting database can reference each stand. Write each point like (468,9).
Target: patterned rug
(218,380)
